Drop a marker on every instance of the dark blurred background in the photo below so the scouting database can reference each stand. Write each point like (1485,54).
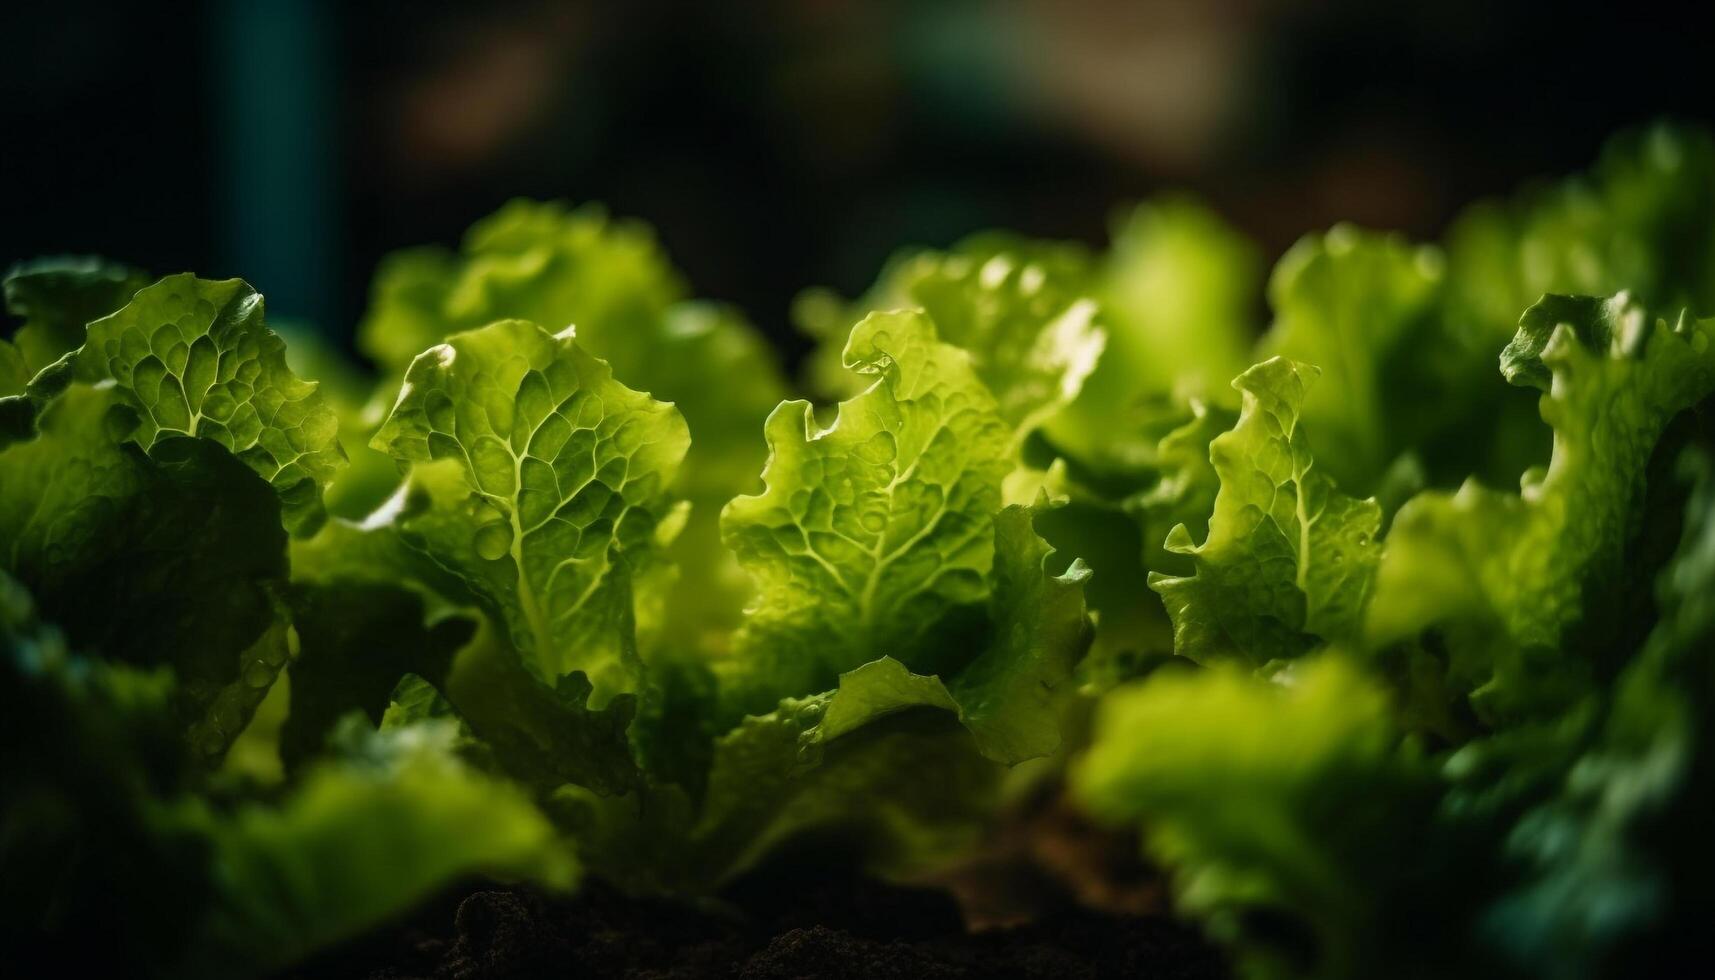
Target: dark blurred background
(776,145)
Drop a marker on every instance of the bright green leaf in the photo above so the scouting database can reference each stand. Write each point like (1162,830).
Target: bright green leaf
(1010,695)
(1024,310)
(541,734)
(196,358)
(874,533)
(566,472)
(1288,558)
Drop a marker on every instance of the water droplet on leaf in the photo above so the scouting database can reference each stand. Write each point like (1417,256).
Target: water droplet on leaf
(493,541)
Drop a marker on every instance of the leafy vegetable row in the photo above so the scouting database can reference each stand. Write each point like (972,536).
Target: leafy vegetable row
(296,654)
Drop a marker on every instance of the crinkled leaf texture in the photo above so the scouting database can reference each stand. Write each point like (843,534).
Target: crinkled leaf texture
(874,536)
(1506,576)
(898,769)
(1636,221)
(560,267)
(174,556)
(838,538)
(904,765)
(1024,310)
(541,735)
(195,357)
(1008,696)
(566,473)
(1288,558)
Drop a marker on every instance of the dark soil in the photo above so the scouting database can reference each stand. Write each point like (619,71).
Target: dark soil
(1048,896)
(833,928)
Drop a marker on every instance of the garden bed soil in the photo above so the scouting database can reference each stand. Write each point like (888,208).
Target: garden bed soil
(1047,897)
(836,929)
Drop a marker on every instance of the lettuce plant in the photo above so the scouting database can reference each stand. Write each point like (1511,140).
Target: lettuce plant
(1453,729)
(573,586)
(520,631)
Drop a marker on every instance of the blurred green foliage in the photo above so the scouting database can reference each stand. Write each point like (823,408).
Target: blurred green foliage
(595,594)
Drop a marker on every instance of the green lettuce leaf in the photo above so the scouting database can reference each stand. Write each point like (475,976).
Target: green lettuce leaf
(1638,221)
(1615,857)
(102,822)
(534,261)
(1187,483)
(1177,290)
(361,838)
(543,735)
(1289,559)
(406,314)
(874,536)
(85,747)
(57,297)
(356,640)
(560,266)
(1009,696)
(901,768)
(903,793)
(1024,310)
(376,550)
(1355,304)
(88,516)
(1179,284)
(1118,528)
(1505,577)
(609,278)
(1280,808)
(566,474)
(196,358)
